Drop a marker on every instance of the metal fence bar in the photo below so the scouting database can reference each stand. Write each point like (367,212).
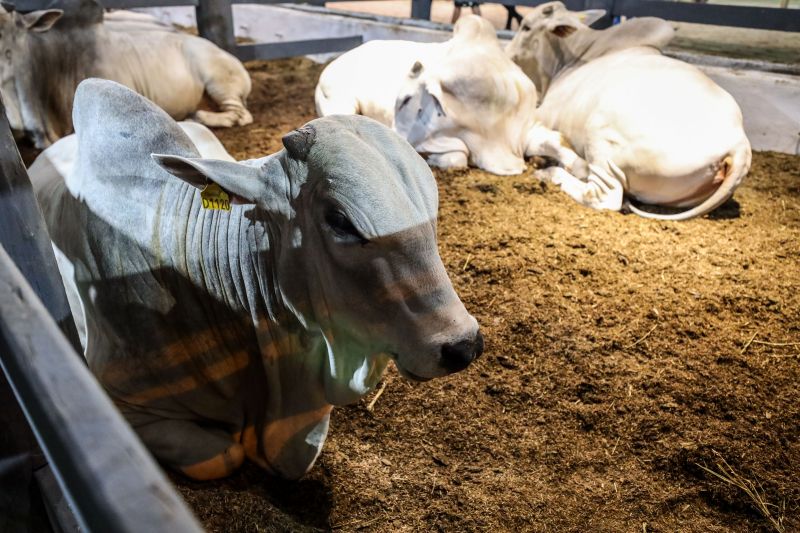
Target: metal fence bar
(421,9)
(249,52)
(215,23)
(112,482)
(270,2)
(131,4)
(573,5)
(765,18)
(23,233)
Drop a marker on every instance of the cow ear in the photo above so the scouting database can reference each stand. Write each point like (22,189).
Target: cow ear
(40,21)
(416,70)
(245,184)
(562,29)
(590,16)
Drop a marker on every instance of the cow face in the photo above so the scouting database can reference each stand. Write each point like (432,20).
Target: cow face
(473,100)
(532,48)
(14,29)
(355,249)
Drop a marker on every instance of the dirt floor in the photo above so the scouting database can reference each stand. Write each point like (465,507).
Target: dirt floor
(624,357)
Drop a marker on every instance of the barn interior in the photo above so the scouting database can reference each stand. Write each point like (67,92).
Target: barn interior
(638,375)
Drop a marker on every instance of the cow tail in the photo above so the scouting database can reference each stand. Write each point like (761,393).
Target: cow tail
(734,166)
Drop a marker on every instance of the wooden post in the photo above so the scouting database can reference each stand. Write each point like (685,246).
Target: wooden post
(24,235)
(421,9)
(215,23)
(21,506)
(110,479)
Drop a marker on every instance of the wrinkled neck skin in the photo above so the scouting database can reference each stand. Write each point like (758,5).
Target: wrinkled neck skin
(304,378)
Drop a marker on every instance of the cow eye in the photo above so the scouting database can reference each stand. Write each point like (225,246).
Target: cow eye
(342,226)
(405,101)
(526,28)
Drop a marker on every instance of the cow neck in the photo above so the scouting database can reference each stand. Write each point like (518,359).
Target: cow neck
(237,264)
(568,53)
(236,258)
(53,75)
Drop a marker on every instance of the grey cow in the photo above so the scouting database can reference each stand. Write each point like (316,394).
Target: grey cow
(48,52)
(225,335)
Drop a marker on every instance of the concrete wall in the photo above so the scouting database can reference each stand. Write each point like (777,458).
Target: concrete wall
(768,94)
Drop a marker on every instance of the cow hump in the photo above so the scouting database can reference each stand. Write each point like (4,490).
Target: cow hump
(118,129)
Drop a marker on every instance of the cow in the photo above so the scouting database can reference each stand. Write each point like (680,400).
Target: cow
(225,335)
(46,58)
(649,127)
(460,102)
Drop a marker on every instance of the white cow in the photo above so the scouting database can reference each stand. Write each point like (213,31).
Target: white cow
(650,127)
(225,335)
(459,102)
(45,60)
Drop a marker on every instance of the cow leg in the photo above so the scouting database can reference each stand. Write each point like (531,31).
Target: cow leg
(199,453)
(233,113)
(545,142)
(448,160)
(227,90)
(600,190)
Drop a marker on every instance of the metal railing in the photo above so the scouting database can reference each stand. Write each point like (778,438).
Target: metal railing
(215,23)
(106,479)
(765,18)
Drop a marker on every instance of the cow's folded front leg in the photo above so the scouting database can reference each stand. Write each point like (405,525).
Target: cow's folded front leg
(232,113)
(599,190)
(448,160)
(199,453)
(542,141)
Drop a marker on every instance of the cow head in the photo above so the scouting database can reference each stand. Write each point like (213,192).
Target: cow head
(351,213)
(469,104)
(535,47)
(14,57)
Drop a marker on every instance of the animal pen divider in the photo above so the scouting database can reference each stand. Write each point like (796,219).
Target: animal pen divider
(89,471)
(764,18)
(215,23)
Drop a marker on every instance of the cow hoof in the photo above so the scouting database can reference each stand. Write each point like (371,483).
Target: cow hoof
(245,118)
(219,466)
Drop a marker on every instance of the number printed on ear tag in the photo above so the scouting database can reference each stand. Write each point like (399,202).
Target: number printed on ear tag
(215,198)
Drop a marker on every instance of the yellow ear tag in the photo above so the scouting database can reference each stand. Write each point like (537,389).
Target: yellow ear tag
(215,198)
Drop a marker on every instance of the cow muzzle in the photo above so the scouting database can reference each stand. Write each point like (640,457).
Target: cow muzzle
(458,356)
(452,356)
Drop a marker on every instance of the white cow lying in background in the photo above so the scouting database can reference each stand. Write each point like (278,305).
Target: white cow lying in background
(225,335)
(459,102)
(649,126)
(46,59)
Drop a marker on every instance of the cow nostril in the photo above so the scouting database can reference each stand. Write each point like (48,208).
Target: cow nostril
(457,356)
(478,345)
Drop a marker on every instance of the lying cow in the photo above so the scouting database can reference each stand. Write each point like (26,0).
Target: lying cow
(459,102)
(229,335)
(649,126)
(45,60)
